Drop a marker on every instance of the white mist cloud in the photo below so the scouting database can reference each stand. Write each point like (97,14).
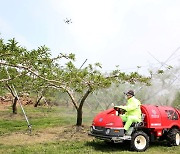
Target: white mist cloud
(122,32)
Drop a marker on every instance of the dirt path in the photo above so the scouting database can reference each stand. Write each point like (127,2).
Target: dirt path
(48,135)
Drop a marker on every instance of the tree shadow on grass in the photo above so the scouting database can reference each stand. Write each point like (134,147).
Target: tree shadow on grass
(161,144)
(110,147)
(103,146)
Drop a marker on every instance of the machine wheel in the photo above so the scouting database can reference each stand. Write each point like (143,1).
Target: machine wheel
(139,141)
(173,137)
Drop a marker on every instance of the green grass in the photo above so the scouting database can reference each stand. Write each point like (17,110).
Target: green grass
(43,118)
(82,147)
(38,118)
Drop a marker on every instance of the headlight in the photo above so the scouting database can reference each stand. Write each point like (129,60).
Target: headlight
(107,131)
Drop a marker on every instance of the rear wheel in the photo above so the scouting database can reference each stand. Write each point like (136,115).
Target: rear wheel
(173,137)
(139,141)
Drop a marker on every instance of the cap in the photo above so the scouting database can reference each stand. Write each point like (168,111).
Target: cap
(130,92)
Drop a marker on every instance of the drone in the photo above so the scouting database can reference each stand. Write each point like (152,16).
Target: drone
(68,21)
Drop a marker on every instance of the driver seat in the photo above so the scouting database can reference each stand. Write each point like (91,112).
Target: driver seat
(140,124)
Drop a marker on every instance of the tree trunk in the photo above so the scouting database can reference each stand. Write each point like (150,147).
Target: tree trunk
(79,109)
(14,107)
(79,117)
(37,102)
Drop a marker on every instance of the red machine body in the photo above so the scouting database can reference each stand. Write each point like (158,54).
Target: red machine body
(108,118)
(155,117)
(157,122)
(160,117)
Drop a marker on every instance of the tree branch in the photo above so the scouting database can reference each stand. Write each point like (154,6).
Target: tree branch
(31,71)
(2,55)
(68,92)
(72,99)
(10,89)
(51,82)
(84,97)
(9,79)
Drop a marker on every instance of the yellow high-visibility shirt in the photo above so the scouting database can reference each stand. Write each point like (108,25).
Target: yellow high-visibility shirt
(132,107)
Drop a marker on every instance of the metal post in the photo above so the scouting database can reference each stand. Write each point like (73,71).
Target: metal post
(15,92)
(83,64)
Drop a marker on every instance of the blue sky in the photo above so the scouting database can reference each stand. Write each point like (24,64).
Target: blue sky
(113,32)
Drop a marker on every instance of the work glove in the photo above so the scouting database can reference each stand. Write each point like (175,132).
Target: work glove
(120,109)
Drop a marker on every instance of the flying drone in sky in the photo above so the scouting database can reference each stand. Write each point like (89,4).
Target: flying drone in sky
(67,21)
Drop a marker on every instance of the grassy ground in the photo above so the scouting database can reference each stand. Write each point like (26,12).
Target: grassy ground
(53,131)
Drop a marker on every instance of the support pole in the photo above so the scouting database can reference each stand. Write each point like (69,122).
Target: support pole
(15,92)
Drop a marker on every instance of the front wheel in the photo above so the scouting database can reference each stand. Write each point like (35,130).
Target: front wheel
(139,141)
(173,137)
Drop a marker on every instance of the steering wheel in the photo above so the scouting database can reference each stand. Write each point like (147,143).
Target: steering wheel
(120,110)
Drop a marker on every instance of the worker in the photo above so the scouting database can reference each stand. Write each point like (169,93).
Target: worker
(133,111)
